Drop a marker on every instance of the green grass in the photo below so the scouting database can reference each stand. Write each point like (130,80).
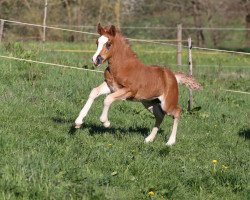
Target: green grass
(41,158)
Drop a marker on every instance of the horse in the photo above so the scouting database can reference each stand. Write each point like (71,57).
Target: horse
(127,78)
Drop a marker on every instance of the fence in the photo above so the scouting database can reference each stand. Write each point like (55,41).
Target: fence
(178,43)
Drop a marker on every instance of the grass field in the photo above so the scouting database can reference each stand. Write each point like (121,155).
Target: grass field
(41,158)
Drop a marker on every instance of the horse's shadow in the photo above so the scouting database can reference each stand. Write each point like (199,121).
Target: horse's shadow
(95,129)
(245,133)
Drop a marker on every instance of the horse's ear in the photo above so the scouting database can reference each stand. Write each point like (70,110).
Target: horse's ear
(112,30)
(100,30)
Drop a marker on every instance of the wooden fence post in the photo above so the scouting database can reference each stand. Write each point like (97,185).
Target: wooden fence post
(44,20)
(179,44)
(190,63)
(1,29)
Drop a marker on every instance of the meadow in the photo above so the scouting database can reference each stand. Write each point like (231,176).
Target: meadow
(42,157)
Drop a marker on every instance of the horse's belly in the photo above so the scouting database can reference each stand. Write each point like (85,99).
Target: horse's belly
(147,94)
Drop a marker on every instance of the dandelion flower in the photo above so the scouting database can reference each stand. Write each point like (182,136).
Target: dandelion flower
(214,162)
(151,193)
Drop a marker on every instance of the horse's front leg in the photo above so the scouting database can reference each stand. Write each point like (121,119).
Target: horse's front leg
(120,94)
(101,89)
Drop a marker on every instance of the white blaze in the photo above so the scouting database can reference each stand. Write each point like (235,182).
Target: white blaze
(101,41)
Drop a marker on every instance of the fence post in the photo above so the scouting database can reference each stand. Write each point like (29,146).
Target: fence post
(190,63)
(44,20)
(179,44)
(1,29)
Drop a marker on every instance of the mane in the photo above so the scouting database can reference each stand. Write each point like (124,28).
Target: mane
(122,42)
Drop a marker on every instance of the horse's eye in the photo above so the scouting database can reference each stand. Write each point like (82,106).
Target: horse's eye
(108,45)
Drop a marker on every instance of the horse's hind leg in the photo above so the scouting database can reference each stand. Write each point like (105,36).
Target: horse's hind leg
(176,114)
(159,116)
(169,105)
(101,89)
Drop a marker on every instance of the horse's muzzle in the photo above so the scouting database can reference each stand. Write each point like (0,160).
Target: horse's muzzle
(99,60)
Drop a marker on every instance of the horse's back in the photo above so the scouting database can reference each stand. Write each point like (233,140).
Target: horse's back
(165,76)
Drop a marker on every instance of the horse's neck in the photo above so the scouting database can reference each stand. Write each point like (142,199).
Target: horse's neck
(123,55)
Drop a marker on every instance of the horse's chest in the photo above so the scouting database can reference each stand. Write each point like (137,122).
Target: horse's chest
(114,86)
(118,79)
(111,80)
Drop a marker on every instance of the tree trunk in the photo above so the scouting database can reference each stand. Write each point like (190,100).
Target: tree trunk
(118,12)
(71,37)
(100,12)
(79,18)
(198,22)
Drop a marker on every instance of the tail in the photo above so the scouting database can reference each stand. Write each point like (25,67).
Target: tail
(188,81)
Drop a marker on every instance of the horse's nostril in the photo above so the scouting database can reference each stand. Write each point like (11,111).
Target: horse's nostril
(99,59)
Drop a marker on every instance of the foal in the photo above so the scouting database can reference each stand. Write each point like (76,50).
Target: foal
(126,77)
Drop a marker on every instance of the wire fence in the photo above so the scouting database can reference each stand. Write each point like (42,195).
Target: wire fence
(48,27)
(152,27)
(156,42)
(50,64)
(90,70)
(162,42)
(157,27)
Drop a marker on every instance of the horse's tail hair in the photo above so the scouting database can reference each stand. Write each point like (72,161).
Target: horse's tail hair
(188,81)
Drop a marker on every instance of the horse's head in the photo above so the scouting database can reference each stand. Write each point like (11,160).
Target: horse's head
(104,44)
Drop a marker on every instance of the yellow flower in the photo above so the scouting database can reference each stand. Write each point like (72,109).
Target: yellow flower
(151,193)
(214,162)
(110,145)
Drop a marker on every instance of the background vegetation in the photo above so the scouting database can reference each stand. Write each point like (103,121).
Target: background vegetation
(77,14)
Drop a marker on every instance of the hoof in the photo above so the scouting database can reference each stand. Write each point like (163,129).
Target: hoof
(170,143)
(106,124)
(103,119)
(148,140)
(77,126)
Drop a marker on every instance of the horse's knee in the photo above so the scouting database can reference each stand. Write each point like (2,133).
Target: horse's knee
(177,112)
(108,100)
(173,111)
(94,93)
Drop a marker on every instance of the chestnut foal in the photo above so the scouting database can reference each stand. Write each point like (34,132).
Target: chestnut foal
(126,77)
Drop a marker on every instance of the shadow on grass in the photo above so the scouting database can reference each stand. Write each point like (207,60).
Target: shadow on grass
(100,129)
(164,151)
(95,129)
(245,133)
